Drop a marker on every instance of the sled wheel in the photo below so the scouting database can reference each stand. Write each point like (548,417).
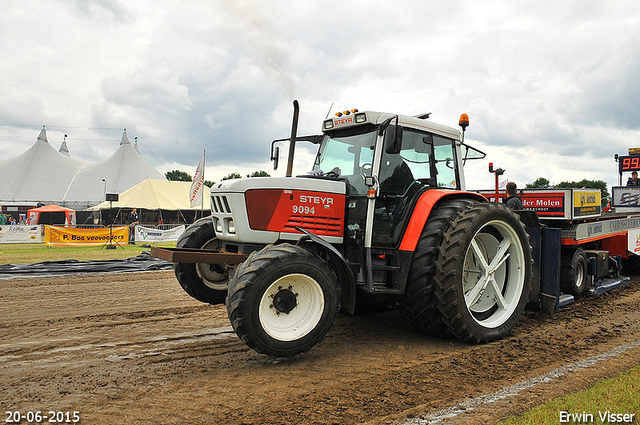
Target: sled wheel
(282,300)
(573,273)
(419,305)
(483,273)
(204,282)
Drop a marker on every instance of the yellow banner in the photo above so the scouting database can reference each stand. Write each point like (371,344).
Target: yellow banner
(70,236)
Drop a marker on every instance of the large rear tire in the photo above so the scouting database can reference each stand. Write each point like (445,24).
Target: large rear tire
(282,300)
(204,282)
(419,305)
(483,273)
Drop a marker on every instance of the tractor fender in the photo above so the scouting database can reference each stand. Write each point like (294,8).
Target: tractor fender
(422,210)
(345,276)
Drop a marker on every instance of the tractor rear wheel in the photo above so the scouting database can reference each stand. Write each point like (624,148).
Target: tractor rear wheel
(483,273)
(204,282)
(282,300)
(419,305)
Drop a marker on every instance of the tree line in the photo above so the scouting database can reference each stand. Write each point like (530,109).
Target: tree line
(181,176)
(539,183)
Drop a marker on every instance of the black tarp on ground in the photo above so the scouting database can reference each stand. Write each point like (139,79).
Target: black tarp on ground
(141,263)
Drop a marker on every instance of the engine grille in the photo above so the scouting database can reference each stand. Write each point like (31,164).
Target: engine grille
(220,204)
(324,225)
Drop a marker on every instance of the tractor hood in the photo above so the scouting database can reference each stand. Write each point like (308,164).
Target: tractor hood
(285,183)
(263,210)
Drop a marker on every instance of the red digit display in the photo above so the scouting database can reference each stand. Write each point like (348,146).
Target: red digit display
(629,163)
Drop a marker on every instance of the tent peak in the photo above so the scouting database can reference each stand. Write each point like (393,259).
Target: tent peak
(43,135)
(125,139)
(63,147)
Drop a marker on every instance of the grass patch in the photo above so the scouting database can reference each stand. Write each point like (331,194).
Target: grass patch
(20,253)
(617,396)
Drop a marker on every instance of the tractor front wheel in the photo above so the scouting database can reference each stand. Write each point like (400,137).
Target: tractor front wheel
(282,300)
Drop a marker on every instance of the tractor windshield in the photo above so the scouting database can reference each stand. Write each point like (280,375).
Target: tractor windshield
(351,152)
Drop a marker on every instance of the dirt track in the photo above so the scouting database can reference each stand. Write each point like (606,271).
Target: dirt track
(134,348)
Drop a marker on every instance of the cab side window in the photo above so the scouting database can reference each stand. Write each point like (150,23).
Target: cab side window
(445,162)
(399,171)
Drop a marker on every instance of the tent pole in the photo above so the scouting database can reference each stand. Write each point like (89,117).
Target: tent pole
(117,214)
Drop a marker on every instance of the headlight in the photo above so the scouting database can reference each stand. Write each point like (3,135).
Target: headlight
(232,227)
(218,226)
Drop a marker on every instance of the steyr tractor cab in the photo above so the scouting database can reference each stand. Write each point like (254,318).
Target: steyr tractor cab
(383,217)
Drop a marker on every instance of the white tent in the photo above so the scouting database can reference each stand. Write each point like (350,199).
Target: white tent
(44,174)
(40,174)
(121,171)
(156,195)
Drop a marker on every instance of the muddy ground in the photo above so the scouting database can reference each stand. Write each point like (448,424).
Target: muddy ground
(134,348)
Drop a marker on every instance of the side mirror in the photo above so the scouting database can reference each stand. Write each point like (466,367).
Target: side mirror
(274,158)
(393,139)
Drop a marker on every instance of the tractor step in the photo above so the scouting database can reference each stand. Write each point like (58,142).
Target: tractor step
(378,289)
(386,268)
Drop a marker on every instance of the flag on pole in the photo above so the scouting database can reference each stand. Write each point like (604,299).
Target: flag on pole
(195,192)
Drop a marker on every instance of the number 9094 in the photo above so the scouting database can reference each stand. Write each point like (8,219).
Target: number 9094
(303,209)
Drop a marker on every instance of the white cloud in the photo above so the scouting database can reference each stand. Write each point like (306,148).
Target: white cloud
(550,87)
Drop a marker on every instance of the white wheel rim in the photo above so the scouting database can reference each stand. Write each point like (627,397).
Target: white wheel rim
(210,277)
(494,274)
(283,325)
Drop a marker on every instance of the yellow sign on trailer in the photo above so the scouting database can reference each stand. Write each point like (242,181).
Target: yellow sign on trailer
(586,203)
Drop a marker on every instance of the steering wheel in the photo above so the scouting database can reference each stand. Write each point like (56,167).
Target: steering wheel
(449,163)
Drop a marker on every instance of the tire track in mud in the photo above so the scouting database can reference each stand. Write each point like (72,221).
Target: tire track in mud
(53,321)
(440,378)
(460,412)
(156,356)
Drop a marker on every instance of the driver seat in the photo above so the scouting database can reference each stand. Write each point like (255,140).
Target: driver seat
(396,177)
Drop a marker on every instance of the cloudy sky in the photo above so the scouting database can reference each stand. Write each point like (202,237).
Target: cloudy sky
(551,87)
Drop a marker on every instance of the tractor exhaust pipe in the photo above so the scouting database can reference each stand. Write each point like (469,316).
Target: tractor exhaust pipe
(292,140)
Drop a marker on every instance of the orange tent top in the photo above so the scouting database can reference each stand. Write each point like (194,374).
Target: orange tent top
(33,215)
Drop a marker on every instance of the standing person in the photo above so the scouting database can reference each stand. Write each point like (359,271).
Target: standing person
(3,218)
(633,180)
(132,220)
(513,201)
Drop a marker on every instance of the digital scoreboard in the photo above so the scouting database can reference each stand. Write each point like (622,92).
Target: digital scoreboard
(629,163)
